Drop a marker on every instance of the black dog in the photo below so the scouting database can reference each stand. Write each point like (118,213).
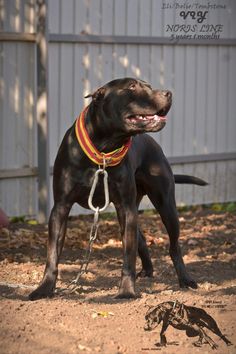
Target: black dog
(121,109)
(186,318)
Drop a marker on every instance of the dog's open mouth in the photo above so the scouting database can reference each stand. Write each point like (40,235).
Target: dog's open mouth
(146,122)
(147,118)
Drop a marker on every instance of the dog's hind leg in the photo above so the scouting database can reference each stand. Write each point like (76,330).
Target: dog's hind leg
(204,337)
(211,324)
(147,268)
(161,193)
(57,229)
(143,252)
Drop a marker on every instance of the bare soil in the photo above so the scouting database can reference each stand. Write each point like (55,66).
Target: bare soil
(92,320)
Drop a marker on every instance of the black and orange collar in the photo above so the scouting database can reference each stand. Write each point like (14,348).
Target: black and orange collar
(112,158)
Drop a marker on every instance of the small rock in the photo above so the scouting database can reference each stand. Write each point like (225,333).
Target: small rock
(209,256)
(167,292)
(84,348)
(192,242)
(206,286)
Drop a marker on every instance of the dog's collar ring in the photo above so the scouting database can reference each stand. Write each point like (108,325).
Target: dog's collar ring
(104,163)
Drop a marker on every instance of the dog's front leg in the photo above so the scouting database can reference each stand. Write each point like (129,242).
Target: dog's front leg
(128,224)
(56,228)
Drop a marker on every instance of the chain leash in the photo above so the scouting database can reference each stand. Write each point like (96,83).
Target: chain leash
(95,225)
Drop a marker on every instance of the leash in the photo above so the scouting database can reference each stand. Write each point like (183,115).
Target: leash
(102,160)
(95,225)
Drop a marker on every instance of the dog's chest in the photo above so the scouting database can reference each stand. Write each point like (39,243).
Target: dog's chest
(85,181)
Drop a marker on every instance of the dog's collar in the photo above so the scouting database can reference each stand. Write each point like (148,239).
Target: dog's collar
(112,158)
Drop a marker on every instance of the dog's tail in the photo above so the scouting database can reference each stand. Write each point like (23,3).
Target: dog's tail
(189,180)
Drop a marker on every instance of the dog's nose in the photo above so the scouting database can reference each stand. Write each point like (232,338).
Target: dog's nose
(167,94)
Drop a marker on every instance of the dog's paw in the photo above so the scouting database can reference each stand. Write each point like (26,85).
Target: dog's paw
(43,291)
(125,294)
(145,273)
(188,283)
(126,290)
(197,344)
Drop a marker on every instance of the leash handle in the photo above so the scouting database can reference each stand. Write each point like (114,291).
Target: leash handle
(100,171)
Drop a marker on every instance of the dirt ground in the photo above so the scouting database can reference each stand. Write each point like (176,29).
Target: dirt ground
(93,320)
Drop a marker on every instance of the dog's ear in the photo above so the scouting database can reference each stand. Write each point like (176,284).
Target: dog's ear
(98,94)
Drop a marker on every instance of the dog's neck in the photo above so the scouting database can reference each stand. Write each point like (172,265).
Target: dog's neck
(97,132)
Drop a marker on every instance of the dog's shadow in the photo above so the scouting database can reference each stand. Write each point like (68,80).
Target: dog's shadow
(16,293)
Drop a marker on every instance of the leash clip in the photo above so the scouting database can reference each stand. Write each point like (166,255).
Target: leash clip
(100,171)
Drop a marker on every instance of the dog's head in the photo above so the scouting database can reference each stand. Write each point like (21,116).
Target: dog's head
(153,317)
(132,106)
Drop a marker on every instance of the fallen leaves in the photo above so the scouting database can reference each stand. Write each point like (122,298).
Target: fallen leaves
(103,314)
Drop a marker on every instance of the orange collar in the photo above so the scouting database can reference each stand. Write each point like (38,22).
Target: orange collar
(112,158)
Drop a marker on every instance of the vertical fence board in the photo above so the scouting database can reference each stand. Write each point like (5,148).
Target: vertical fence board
(222,101)
(107,17)
(106,63)
(67,16)
(190,100)
(178,105)
(66,94)
(178,169)
(120,15)
(188,190)
(168,84)
(144,19)
(132,16)
(79,78)
(199,119)
(143,70)
(81,17)
(54,17)
(156,20)
(119,57)
(212,96)
(95,68)
(231,128)
(94,16)
(30,17)
(230,181)
(54,98)
(132,61)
